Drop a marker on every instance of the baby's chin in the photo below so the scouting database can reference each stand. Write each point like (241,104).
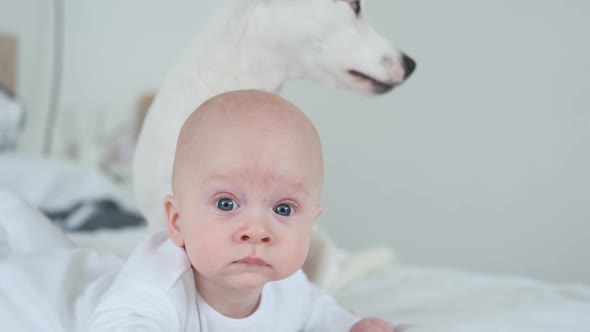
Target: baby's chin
(255,278)
(246,277)
(249,281)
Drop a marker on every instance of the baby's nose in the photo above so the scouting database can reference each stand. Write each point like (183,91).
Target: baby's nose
(254,234)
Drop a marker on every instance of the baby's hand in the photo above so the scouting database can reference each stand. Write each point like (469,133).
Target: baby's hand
(372,324)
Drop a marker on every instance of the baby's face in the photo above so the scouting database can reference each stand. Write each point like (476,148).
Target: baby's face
(247,207)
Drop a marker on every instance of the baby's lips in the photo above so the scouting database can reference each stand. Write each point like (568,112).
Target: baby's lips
(253,260)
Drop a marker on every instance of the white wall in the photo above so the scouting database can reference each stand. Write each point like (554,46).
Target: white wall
(483,159)
(115,52)
(480,161)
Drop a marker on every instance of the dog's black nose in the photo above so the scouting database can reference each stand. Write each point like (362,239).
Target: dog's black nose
(409,65)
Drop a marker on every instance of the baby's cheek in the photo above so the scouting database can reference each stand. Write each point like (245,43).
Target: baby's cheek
(296,254)
(204,255)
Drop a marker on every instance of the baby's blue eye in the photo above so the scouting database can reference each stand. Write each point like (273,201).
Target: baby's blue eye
(284,210)
(226,204)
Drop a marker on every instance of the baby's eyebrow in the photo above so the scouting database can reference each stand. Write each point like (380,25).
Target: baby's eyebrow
(296,194)
(294,186)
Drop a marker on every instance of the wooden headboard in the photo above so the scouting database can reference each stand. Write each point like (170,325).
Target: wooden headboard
(8,51)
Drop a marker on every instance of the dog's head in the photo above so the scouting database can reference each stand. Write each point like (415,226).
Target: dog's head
(331,41)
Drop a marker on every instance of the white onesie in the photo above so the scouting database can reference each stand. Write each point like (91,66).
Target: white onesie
(155,291)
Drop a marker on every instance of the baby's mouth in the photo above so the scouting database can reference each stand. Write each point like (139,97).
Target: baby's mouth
(252,261)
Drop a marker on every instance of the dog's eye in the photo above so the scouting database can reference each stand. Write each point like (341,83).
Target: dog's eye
(356,7)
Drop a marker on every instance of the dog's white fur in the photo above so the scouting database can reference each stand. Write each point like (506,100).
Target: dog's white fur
(259,44)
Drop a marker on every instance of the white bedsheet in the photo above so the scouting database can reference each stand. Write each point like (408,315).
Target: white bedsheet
(428,299)
(56,184)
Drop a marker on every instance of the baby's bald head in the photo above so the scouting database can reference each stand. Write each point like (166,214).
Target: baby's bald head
(252,127)
(247,176)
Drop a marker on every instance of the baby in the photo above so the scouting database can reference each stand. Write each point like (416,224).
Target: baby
(247,180)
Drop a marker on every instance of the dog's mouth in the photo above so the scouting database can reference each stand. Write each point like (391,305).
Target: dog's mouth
(377,86)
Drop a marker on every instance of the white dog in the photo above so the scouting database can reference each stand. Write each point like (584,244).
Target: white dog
(260,44)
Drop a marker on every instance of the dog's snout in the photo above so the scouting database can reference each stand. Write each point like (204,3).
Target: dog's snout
(409,65)
(387,60)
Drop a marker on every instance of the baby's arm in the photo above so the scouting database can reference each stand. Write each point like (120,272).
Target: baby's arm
(134,306)
(154,291)
(372,324)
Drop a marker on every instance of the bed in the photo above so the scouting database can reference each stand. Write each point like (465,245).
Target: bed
(418,298)
(429,299)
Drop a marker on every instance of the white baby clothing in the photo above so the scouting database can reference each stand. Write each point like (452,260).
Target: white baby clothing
(155,291)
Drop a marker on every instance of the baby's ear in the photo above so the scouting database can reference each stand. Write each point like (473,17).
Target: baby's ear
(173,220)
